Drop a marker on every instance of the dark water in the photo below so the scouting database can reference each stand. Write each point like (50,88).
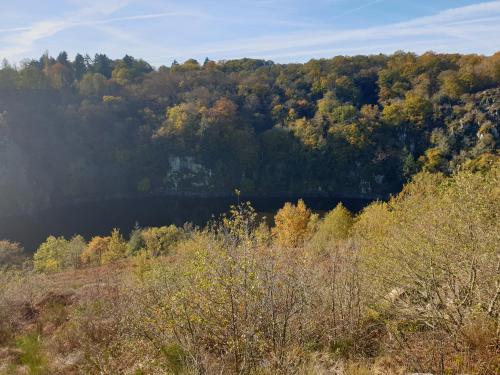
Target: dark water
(99,218)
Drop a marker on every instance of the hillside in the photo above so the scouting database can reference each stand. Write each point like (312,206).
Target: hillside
(96,128)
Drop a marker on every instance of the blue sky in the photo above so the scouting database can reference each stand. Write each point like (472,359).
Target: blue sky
(281,30)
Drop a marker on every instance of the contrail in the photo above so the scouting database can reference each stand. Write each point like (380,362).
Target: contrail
(112,20)
(359,8)
(14,29)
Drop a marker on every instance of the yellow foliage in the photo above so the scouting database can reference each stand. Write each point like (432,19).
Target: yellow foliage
(334,227)
(417,109)
(414,110)
(49,256)
(117,248)
(109,99)
(437,241)
(121,75)
(96,247)
(433,160)
(373,222)
(393,113)
(159,241)
(292,224)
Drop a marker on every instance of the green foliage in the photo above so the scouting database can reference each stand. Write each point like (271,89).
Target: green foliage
(406,285)
(160,241)
(410,166)
(75,247)
(334,227)
(332,126)
(175,357)
(116,248)
(431,250)
(136,241)
(92,85)
(32,356)
(49,256)
(57,253)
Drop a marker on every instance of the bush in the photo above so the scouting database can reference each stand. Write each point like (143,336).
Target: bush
(135,242)
(56,254)
(96,248)
(293,224)
(75,248)
(160,241)
(333,228)
(117,248)
(410,285)
(431,256)
(50,254)
(11,254)
(31,354)
(104,250)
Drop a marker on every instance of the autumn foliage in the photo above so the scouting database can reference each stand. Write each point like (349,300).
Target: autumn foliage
(408,285)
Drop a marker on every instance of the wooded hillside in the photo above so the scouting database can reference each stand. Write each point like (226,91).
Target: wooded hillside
(95,128)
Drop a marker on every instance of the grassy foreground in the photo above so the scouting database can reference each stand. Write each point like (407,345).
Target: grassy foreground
(412,285)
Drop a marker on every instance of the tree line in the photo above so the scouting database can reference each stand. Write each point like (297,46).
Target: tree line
(95,127)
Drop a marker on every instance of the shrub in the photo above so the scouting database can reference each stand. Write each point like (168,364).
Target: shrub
(159,241)
(231,298)
(293,224)
(117,248)
(431,256)
(103,250)
(31,354)
(11,254)
(50,255)
(136,241)
(75,248)
(334,227)
(96,248)
(56,254)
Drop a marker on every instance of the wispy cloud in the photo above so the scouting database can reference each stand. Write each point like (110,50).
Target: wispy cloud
(357,9)
(14,29)
(18,43)
(20,40)
(477,23)
(206,30)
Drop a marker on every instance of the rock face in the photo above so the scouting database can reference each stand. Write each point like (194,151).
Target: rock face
(185,172)
(489,101)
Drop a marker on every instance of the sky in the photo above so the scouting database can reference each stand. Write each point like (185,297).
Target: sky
(160,31)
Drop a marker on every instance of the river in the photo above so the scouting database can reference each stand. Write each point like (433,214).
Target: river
(99,218)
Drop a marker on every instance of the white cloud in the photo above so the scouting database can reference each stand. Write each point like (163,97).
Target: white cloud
(21,43)
(20,40)
(475,23)
(463,29)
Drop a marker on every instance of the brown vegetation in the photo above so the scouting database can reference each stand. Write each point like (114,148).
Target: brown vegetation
(411,285)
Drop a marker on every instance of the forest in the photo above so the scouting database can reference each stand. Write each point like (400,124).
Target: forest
(409,284)
(95,128)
